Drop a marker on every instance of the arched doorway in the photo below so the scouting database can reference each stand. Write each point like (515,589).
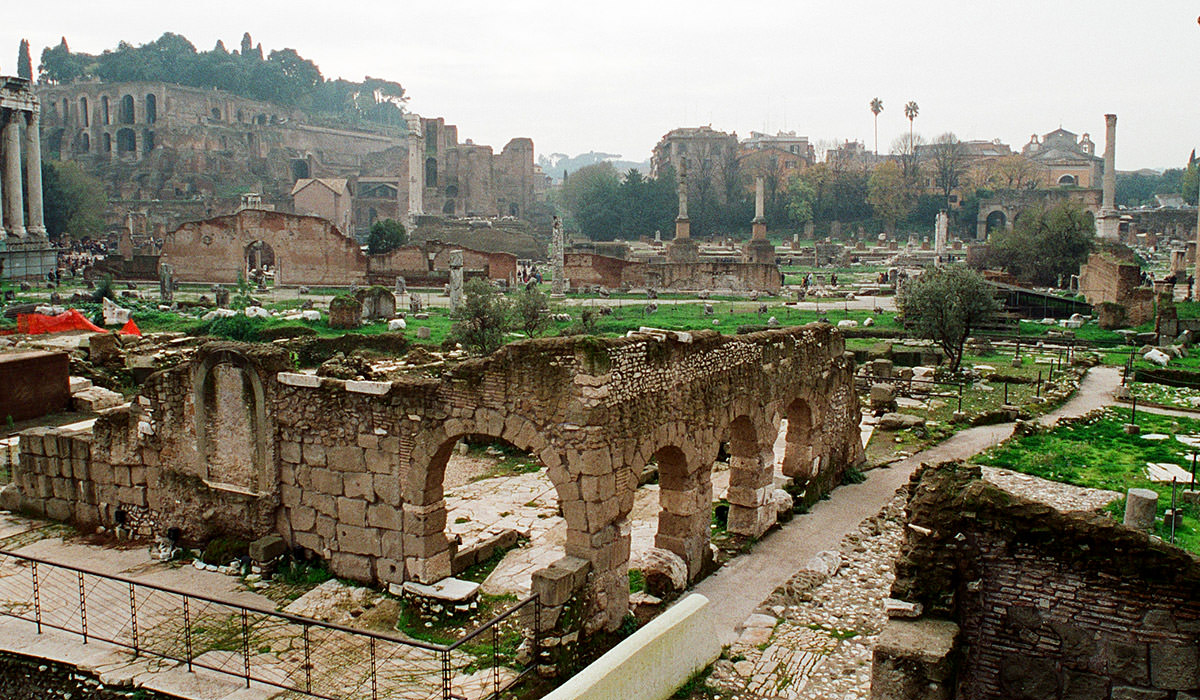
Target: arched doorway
(431,172)
(751,473)
(259,260)
(300,169)
(801,457)
(685,508)
(151,108)
(997,221)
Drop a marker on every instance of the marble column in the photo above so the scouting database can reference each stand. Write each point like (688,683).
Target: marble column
(1110,219)
(759,224)
(33,173)
(456,280)
(558,285)
(14,210)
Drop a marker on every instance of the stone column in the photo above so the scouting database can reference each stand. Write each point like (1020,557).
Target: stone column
(941,233)
(1110,220)
(683,248)
(558,259)
(166,283)
(33,172)
(456,279)
(416,169)
(3,187)
(14,214)
(760,231)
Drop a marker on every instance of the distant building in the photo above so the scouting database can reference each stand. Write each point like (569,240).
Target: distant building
(1065,159)
(786,141)
(327,198)
(706,155)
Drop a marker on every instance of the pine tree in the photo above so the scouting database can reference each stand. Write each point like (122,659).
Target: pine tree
(247,44)
(24,61)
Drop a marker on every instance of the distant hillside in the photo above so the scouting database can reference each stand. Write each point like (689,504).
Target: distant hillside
(282,76)
(556,164)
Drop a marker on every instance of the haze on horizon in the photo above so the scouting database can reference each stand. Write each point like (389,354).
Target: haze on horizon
(576,77)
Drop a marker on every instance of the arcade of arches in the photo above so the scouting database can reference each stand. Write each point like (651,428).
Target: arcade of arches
(354,470)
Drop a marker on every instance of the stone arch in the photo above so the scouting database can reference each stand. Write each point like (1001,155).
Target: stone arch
(996,220)
(85,117)
(230,422)
(751,477)
(85,143)
(125,114)
(147,140)
(452,191)
(106,142)
(801,452)
(126,142)
(300,169)
(448,207)
(105,117)
(151,108)
(428,554)
(685,507)
(1067,180)
(66,111)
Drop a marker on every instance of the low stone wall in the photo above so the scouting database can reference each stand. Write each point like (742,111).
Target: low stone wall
(34,677)
(736,276)
(653,662)
(1106,280)
(1047,604)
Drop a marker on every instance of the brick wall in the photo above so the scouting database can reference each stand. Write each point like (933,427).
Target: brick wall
(1049,605)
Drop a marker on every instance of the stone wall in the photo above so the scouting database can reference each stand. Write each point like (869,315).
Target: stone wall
(353,470)
(1104,279)
(1048,605)
(590,269)
(737,276)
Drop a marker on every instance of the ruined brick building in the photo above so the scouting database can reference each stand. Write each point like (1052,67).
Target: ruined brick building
(182,153)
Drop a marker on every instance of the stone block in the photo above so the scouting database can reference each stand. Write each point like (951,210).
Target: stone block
(10,498)
(346,458)
(314,454)
(379,461)
(913,660)
(353,567)
(387,488)
(1028,677)
(310,381)
(384,516)
(289,452)
(1131,693)
(327,482)
(556,583)
(1084,686)
(352,511)
(1172,666)
(302,517)
(267,549)
(1125,661)
(360,486)
(357,540)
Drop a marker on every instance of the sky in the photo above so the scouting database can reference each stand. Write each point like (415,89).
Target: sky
(615,76)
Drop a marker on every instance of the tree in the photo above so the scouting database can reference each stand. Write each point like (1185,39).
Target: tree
(73,201)
(59,65)
(1189,184)
(1012,172)
(945,305)
(592,196)
(889,194)
(386,235)
(799,199)
(1044,244)
(531,310)
(24,62)
(483,319)
(911,110)
(948,158)
(908,149)
(876,108)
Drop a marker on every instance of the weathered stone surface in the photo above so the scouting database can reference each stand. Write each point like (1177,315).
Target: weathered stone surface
(269,548)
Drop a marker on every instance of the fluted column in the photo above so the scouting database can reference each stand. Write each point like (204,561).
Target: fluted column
(33,172)
(14,214)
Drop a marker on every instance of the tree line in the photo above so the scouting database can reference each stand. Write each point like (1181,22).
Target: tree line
(283,76)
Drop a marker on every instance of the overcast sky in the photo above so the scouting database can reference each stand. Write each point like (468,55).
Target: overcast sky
(615,76)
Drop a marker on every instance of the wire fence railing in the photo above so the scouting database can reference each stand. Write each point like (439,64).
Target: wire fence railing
(290,652)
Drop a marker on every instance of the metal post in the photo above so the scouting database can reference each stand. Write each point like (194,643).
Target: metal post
(374,677)
(1133,410)
(960,386)
(307,663)
(1193,471)
(82,608)
(1039,384)
(246,646)
(37,598)
(187,632)
(1173,516)
(1005,393)
(133,618)
(496,661)
(447,685)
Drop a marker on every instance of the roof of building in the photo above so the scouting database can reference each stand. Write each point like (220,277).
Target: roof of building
(336,185)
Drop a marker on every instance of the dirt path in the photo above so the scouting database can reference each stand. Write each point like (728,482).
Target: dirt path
(741,585)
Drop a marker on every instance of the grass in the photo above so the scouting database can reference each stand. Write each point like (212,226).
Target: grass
(506,459)
(1095,452)
(637,581)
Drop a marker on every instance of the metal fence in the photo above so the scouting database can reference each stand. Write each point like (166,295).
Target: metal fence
(318,659)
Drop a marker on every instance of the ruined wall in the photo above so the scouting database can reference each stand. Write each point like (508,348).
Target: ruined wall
(307,250)
(1048,604)
(588,269)
(737,276)
(414,264)
(353,470)
(33,384)
(1106,280)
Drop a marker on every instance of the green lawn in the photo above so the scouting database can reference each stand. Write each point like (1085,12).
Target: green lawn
(1095,452)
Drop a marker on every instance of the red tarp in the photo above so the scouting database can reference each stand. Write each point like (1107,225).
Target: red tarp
(37,324)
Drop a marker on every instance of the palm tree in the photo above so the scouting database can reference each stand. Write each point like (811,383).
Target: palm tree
(911,110)
(876,108)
